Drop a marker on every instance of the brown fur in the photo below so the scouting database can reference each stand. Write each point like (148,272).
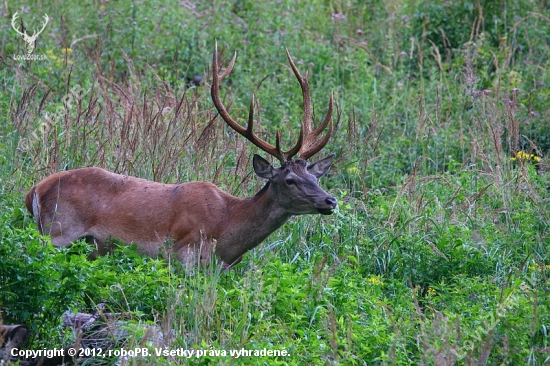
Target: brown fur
(196,217)
(28,199)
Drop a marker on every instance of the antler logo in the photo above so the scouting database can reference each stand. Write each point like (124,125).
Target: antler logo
(29,40)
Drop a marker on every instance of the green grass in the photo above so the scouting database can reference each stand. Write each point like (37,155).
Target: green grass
(439,251)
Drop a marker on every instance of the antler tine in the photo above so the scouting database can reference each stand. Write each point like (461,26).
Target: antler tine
(311,145)
(13,19)
(46,18)
(306,123)
(215,90)
(229,67)
(246,132)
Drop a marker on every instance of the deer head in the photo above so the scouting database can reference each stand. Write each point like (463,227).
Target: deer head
(296,180)
(29,40)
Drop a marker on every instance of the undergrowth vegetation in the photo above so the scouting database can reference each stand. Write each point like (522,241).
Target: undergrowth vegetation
(439,252)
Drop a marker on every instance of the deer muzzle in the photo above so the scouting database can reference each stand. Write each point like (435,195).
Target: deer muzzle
(328,207)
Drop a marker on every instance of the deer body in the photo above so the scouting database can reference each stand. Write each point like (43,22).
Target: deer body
(195,219)
(88,202)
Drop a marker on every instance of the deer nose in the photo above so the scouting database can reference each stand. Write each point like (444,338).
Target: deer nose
(331,201)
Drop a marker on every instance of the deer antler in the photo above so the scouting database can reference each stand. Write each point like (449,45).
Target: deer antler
(308,143)
(46,19)
(13,19)
(248,131)
(312,143)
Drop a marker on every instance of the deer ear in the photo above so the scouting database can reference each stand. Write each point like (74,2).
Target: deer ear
(320,168)
(262,167)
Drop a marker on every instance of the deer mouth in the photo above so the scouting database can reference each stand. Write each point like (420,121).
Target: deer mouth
(325,211)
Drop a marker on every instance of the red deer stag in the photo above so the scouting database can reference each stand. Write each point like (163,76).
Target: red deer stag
(196,217)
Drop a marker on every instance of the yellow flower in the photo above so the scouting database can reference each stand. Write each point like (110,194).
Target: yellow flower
(352,170)
(375,280)
(431,291)
(67,50)
(539,268)
(522,155)
(50,54)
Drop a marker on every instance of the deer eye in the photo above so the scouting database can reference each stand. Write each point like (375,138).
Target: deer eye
(290,181)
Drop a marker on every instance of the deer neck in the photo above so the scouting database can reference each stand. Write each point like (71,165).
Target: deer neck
(251,221)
